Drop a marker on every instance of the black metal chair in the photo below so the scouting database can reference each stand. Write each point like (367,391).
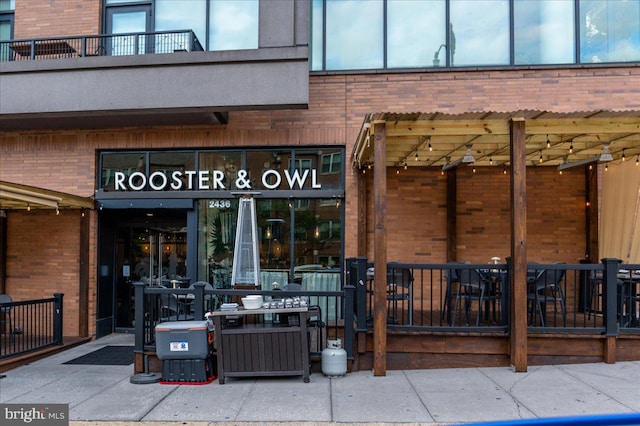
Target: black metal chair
(5,312)
(399,289)
(472,286)
(452,278)
(546,290)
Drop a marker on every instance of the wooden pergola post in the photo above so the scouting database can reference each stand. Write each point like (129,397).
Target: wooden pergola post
(518,316)
(380,249)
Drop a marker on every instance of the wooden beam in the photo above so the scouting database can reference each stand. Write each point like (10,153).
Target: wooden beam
(610,350)
(452,215)
(518,290)
(592,216)
(380,251)
(83,288)
(3,253)
(361,248)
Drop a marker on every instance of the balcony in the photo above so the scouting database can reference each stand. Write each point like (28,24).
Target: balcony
(100,45)
(142,79)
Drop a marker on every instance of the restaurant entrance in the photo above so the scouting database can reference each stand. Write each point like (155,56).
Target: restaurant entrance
(137,245)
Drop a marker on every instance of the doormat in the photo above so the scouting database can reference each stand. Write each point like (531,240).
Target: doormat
(109,355)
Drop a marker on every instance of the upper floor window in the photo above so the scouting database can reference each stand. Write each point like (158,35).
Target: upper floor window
(385,34)
(332,163)
(609,30)
(537,25)
(6,26)
(218,24)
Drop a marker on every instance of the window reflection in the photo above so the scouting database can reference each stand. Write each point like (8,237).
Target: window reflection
(609,31)
(126,163)
(229,163)
(316,51)
(168,162)
(181,15)
(537,28)
(233,25)
(415,31)
(354,34)
(480,32)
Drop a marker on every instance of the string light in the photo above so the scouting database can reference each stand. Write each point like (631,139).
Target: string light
(606,167)
(430,147)
(57,211)
(637,159)
(474,169)
(560,171)
(397,170)
(405,164)
(623,156)
(490,161)
(548,142)
(28,207)
(504,169)
(571,148)
(416,155)
(540,159)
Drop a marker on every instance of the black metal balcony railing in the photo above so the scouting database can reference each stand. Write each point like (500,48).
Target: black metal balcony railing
(30,325)
(99,45)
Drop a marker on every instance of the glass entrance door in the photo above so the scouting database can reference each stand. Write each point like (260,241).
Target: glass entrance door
(127,20)
(153,252)
(137,245)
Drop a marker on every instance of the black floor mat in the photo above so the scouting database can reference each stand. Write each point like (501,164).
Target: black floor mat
(109,355)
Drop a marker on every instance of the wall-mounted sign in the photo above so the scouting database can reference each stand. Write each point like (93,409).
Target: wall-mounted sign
(206,180)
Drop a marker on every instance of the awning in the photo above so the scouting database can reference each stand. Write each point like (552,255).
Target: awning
(552,138)
(14,196)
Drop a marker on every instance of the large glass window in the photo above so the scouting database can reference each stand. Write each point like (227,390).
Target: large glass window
(233,25)
(227,163)
(416,35)
(162,166)
(537,25)
(317,42)
(6,27)
(7,5)
(479,32)
(218,24)
(127,163)
(217,220)
(609,31)
(289,251)
(354,34)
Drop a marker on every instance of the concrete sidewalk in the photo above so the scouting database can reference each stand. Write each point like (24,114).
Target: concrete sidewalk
(104,395)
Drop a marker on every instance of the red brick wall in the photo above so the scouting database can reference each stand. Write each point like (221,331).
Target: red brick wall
(43,253)
(416,215)
(65,160)
(56,18)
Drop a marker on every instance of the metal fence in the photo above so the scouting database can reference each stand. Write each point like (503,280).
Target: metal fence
(29,325)
(589,298)
(155,304)
(99,45)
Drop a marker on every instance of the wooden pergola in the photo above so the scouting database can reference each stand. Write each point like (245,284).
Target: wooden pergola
(512,141)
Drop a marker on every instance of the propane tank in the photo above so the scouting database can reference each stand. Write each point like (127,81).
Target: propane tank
(334,359)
